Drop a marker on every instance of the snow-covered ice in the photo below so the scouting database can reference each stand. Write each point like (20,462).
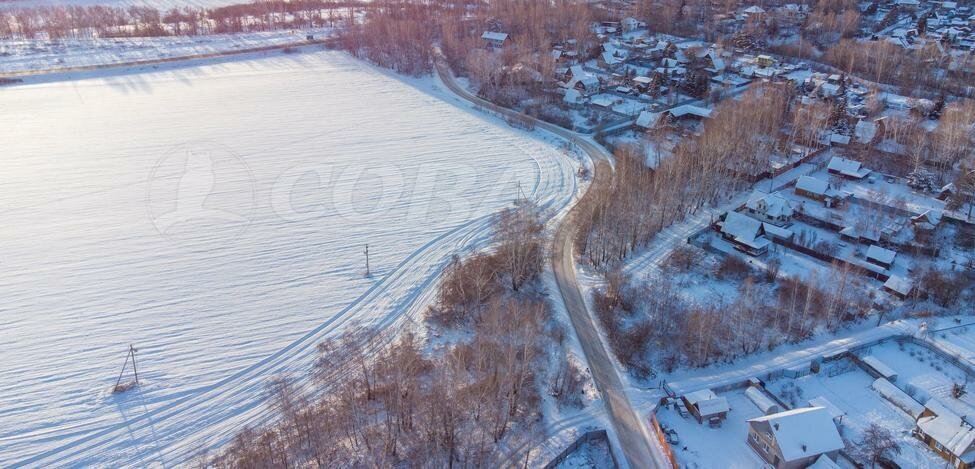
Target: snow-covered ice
(215,217)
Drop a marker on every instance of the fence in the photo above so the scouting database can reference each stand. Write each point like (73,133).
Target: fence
(588,437)
(668,452)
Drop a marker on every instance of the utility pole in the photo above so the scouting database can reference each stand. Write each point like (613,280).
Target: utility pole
(368,274)
(135,370)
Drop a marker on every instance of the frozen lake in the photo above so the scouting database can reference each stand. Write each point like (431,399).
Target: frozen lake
(215,217)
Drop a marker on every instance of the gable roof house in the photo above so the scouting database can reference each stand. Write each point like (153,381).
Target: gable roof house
(581,80)
(632,24)
(794,438)
(745,233)
(610,59)
(947,434)
(647,120)
(868,132)
(753,11)
(879,256)
(573,98)
(818,189)
(772,208)
(494,40)
(847,168)
(713,63)
(706,405)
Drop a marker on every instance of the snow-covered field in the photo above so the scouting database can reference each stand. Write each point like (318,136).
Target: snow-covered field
(215,217)
(18,56)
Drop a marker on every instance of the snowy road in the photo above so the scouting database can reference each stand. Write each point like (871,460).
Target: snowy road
(214,217)
(636,444)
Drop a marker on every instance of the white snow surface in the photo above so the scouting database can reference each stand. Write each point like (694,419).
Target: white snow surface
(19,56)
(286,166)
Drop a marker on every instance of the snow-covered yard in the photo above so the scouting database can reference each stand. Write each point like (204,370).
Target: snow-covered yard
(704,447)
(850,392)
(215,217)
(925,375)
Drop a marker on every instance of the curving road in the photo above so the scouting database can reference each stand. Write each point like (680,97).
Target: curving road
(637,445)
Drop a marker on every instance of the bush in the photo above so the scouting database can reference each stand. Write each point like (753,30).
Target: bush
(732,267)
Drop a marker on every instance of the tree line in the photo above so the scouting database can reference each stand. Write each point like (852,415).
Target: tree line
(88,21)
(413,403)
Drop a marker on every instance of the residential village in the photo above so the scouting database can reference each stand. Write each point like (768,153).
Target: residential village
(739,234)
(839,410)
(828,206)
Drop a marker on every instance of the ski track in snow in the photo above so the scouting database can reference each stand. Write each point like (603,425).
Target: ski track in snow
(303,149)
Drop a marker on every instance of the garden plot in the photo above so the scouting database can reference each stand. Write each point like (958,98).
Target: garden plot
(701,446)
(850,392)
(924,374)
(958,341)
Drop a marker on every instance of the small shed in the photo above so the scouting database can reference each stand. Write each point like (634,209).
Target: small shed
(879,368)
(847,168)
(899,286)
(879,256)
(706,405)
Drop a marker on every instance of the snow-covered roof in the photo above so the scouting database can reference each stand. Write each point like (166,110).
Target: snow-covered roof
(691,109)
(777,231)
(773,205)
(897,397)
(879,254)
(847,167)
(824,462)
(715,406)
(812,185)
(868,233)
(930,216)
(754,9)
(879,366)
(803,432)
(602,101)
(865,131)
(716,60)
(947,428)
(744,229)
(899,284)
(698,396)
(762,401)
(572,96)
(494,36)
(821,401)
(830,89)
(642,80)
(610,58)
(581,76)
(839,139)
(647,119)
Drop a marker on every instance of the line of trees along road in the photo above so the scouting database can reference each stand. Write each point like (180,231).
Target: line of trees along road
(423,405)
